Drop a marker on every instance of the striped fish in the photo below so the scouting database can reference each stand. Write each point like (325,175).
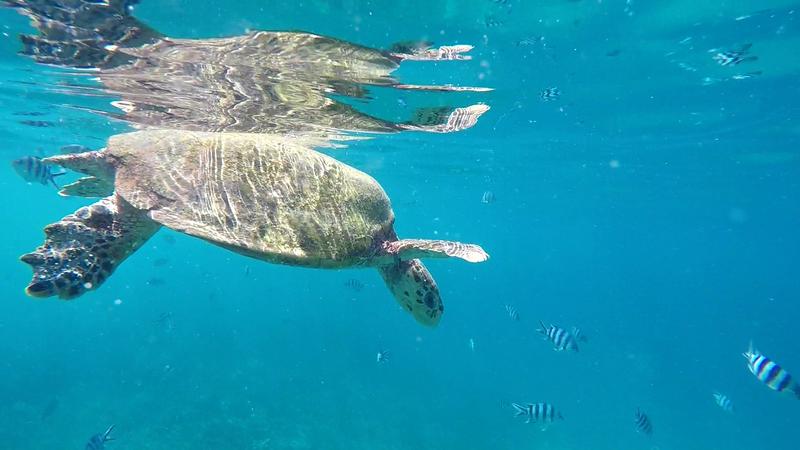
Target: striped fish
(561,338)
(382,357)
(642,422)
(537,412)
(33,170)
(724,402)
(512,312)
(98,441)
(769,373)
(550,94)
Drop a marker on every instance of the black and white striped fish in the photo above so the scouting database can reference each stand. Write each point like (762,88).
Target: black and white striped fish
(561,338)
(550,94)
(733,57)
(98,441)
(769,373)
(724,402)
(33,170)
(537,412)
(642,422)
(512,312)
(382,357)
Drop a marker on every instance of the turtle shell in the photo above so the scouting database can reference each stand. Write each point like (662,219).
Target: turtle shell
(267,196)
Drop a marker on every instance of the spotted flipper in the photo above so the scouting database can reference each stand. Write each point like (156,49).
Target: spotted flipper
(88,187)
(445,120)
(82,250)
(414,289)
(443,53)
(422,248)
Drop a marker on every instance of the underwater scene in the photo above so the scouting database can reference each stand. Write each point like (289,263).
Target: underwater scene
(385,225)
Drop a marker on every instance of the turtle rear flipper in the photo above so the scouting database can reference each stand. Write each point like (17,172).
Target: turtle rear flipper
(423,248)
(82,250)
(413,287)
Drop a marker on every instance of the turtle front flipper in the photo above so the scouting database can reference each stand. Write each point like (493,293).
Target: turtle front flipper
(424,248)
(82,250)
(413,287)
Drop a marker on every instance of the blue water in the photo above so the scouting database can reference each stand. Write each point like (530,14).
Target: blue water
(655,204)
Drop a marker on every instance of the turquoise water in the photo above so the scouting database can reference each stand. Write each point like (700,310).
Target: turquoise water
(654,204)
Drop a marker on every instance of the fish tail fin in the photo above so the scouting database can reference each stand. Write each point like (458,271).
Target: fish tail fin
(521,410)
(85,34)
(751,350)
(53,178)
(107,435)
(543,329)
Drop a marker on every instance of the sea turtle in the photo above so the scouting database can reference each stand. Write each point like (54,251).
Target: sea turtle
(266,196)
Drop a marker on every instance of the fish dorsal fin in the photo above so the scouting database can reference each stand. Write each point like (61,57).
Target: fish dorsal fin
(88,187)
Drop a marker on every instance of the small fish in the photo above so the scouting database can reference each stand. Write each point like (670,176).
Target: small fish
(561,338)
(537,412)
(98,441)
(733,57)
(354,284)
(614,52)
(492,22)
(642,422)
(155,281)
(550,94)
(29,113)
(512,312)
(160,262)
(38,123)
(769,373)
(165,320)
(382,357)
(471,344)
(73,148)
(746,76)
(33,170)
(487,197)
(724,402)
(49,409)
(531,41)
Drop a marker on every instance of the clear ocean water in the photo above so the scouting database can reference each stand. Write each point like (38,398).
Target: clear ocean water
(654,203)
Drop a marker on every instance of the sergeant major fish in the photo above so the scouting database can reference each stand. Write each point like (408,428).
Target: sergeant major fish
(537,412)
(382,357)
(561,338)
(733,57)
(769,373)
(642,422)
(98,441)
(550,94)
(724,402)
(33,170)
(512,313)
